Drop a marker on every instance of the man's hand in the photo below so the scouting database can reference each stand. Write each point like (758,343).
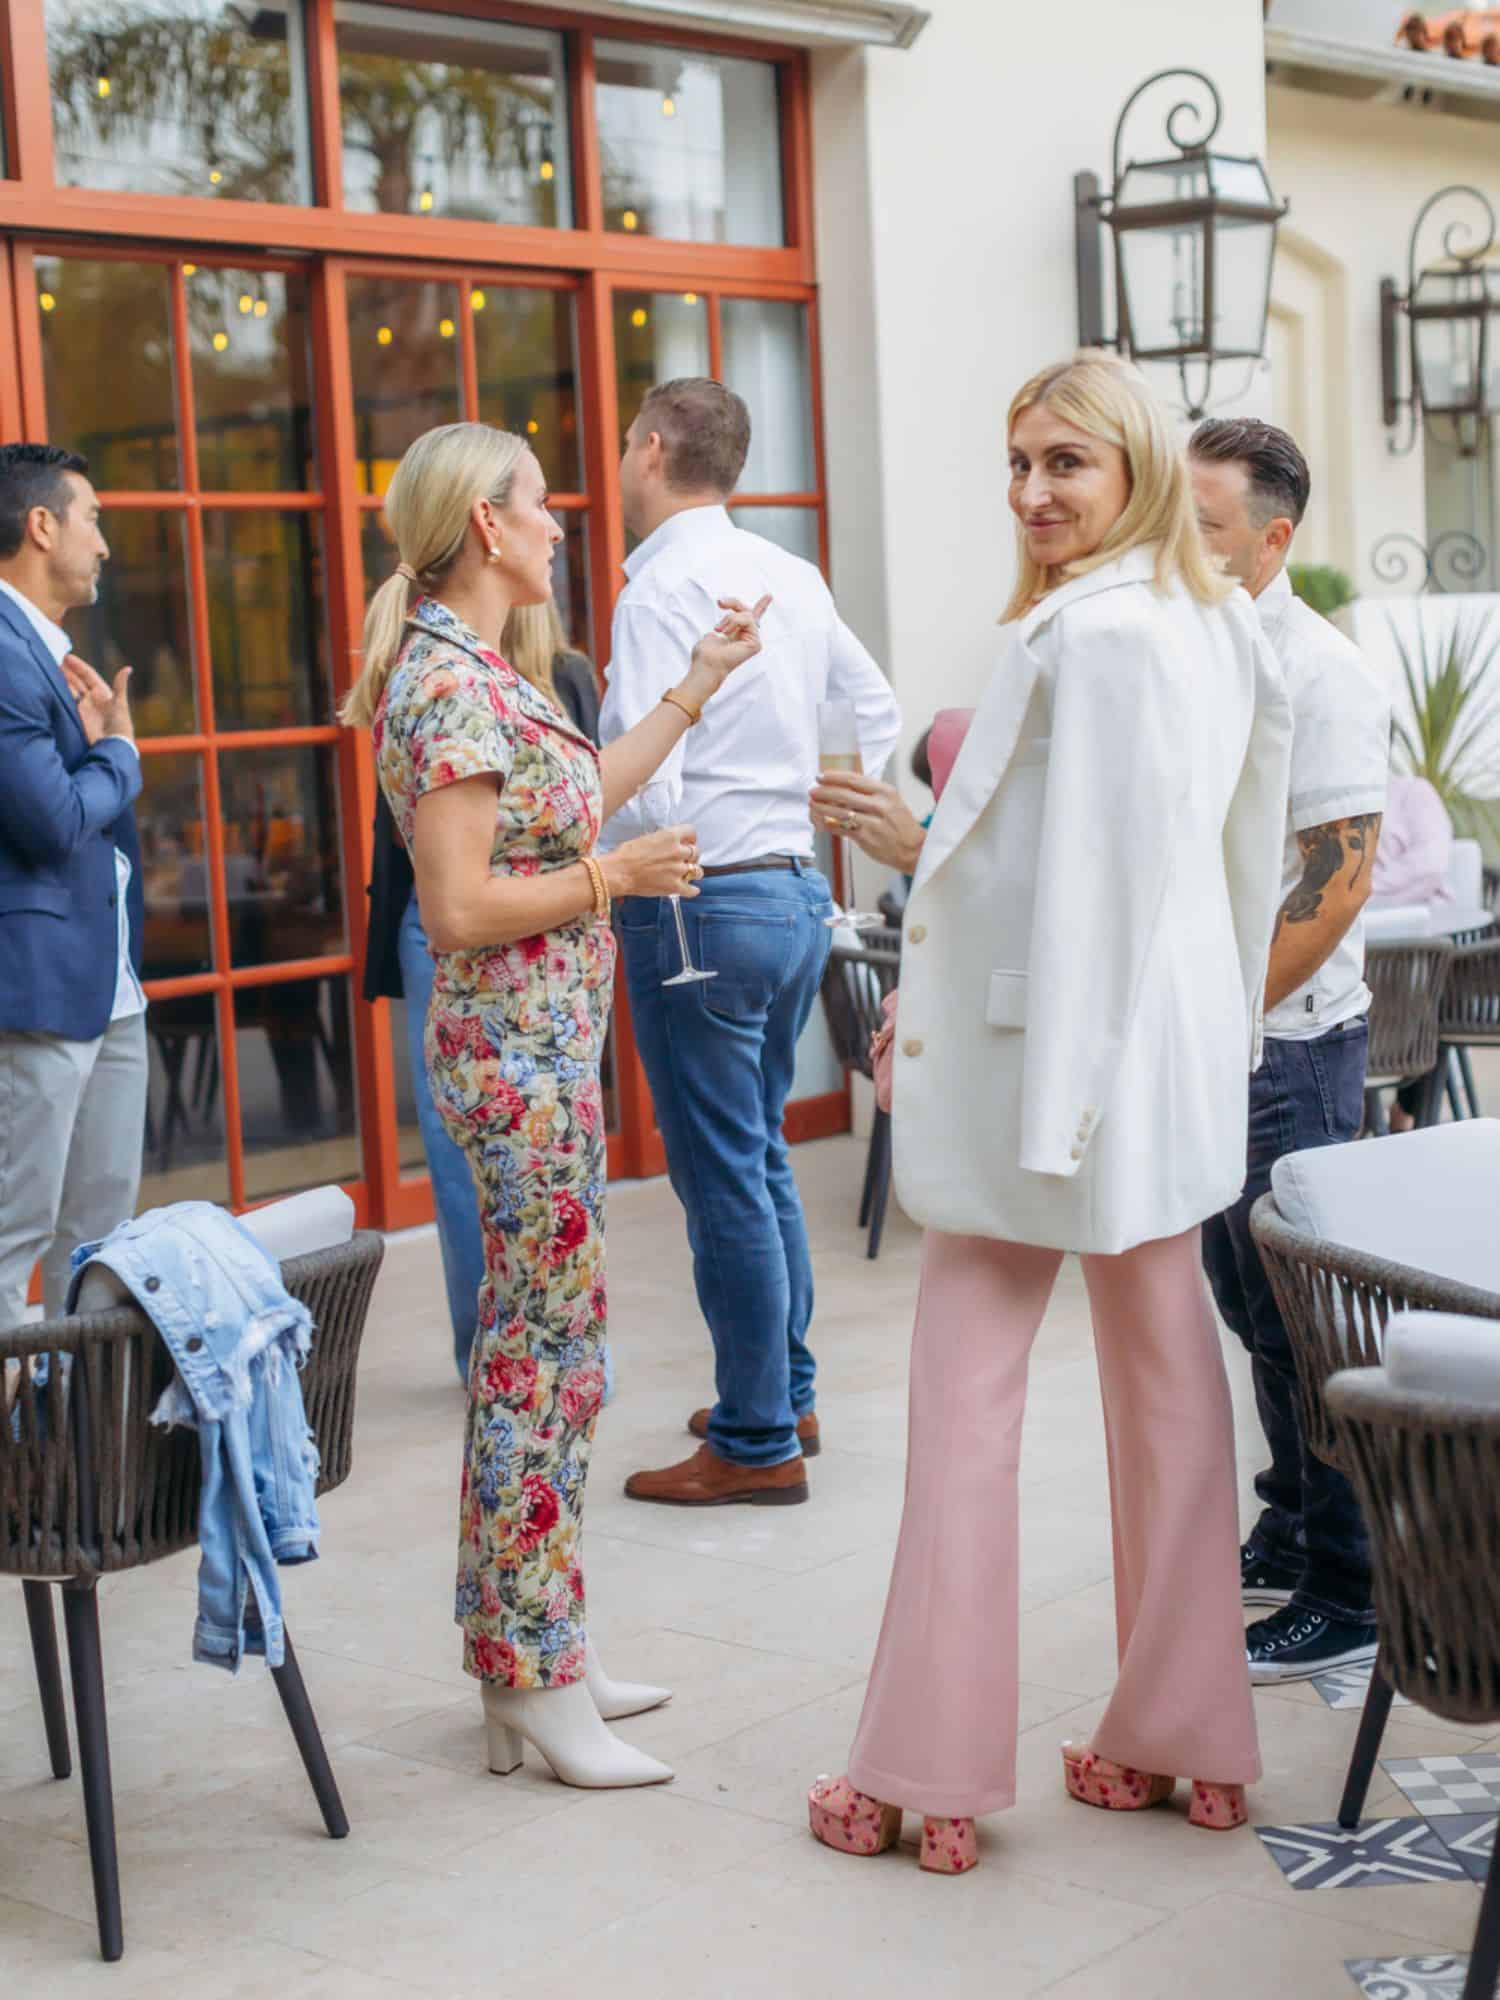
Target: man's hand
(103,711)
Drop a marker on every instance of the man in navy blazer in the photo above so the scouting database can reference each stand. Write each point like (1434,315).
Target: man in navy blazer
(73,1063)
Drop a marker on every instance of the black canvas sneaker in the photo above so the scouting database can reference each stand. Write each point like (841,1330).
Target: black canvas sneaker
(1294,1645)
(1264,1581)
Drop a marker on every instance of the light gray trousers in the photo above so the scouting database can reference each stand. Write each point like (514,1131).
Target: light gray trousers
(72,1129)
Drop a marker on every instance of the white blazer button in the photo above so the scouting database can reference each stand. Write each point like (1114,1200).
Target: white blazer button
(1078,1152)
(917,933)
(911,1047)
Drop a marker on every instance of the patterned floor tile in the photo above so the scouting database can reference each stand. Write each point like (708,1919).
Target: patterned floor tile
(1346,1687)
(1376,1853)
(1437,1978)
(1437,1785)
(1469,1838)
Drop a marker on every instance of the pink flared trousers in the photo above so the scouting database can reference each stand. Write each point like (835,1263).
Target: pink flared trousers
(938,1732)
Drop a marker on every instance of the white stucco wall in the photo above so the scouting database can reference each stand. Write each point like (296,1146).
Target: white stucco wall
(944,183)
(1356,174)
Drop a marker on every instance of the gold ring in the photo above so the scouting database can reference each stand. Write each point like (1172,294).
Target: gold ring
(851,821)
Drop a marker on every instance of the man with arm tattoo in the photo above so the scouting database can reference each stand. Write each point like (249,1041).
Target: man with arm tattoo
(1307,1561)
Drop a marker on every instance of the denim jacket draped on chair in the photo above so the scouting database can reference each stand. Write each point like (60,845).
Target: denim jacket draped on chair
(238,1339)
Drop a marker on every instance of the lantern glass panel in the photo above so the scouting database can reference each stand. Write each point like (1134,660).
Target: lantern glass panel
(1243,254)
(1241,180)
(1448,313)
(1162,272)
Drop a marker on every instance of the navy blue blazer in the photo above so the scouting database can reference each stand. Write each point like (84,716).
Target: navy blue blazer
(64,808)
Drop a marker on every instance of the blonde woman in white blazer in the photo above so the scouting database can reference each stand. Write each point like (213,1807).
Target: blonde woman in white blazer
(1085,952)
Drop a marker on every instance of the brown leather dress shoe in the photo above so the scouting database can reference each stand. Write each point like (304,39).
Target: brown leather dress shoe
(807,1430)
(706,1480)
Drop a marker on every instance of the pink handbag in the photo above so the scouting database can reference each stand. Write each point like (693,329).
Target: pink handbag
(949,728)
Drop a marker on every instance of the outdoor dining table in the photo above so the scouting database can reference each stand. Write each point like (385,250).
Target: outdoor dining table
(1406,923)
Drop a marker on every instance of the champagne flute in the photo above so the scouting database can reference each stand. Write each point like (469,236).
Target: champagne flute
(838,750)
(659,811)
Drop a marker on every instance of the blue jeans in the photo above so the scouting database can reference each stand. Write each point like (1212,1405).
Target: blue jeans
(1304,1094)
(454,1201)
(720,1058)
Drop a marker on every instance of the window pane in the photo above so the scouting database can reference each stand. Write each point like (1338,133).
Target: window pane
(185,1157)
(281,859)
(527,374)
(107,369)
(377,549)
(182,97)
(251,396)
(174,867)
(267,635)
(658,335)
(689,144)
(141,619)
(570,583)
(448,117)
(765,361)
(295,1051)
(794,528)
(404,358)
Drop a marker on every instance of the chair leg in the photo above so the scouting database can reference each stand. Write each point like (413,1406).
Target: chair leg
(882,1189)
(81,1618)
(1431,1112)
(1377,1125)
(1451,1083)
(1466,1071)
(299,1713)
(1484,1960)
(872,1152)
(1366,1747)
(49,1680)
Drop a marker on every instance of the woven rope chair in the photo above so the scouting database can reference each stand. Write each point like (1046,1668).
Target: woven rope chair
(1406,983)
(89,1486)
(1424,1470)
(856,981)
(1469,1016)
(1335,1304)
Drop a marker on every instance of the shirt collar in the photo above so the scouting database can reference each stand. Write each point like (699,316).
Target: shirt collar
(436,618)
(1275,600)
(53,637)
(698,522)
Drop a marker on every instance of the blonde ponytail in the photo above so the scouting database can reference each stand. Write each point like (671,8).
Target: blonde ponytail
(428,506)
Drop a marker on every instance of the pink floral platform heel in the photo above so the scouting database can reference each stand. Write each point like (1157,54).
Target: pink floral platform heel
(1095,1781)
(854,1823)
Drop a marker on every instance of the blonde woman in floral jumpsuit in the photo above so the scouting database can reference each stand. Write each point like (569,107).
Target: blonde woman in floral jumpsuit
(500,801)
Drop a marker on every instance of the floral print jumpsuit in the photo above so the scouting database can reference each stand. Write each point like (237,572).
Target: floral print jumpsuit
(514,1037)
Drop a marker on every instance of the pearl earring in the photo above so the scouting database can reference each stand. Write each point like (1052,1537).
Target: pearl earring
(492,555)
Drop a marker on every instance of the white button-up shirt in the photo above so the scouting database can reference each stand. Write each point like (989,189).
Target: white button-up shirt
(129,999)
(742,775)
(1341,755)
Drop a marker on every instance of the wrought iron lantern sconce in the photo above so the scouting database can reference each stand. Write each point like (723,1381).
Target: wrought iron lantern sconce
(1453,366)
(1194,239)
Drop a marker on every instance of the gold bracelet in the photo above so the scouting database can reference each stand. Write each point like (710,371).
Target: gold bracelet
(694,715)
(600,886)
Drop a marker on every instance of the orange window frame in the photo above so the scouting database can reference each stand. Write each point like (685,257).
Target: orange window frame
(331,244)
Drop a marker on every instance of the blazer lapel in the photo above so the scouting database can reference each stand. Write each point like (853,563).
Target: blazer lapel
(996,728)
(982,760)
(22,630)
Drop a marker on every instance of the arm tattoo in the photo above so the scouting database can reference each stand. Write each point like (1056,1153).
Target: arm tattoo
(1323,851)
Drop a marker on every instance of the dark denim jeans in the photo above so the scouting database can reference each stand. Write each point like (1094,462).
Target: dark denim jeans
(720,1058)
(1304,1094)
(454,1201)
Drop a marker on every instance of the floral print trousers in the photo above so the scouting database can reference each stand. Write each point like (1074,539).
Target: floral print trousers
(531,1122)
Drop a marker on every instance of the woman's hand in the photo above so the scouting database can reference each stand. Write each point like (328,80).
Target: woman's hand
(735,639)
(872,814)
(655,864)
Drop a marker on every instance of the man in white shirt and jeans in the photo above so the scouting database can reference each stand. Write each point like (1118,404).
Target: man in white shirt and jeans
(720,1056)
(73,1062)
(1308,1557)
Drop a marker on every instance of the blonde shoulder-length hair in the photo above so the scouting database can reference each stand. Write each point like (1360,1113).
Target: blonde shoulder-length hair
(428,505)
(1111,400)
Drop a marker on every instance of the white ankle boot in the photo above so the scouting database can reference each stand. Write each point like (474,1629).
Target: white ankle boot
(564,1725)
(615,1699)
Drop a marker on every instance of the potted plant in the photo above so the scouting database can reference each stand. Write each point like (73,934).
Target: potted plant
(1451,736)
(1326,589)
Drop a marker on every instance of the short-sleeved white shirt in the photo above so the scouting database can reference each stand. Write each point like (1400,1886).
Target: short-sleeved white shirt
(1341,754)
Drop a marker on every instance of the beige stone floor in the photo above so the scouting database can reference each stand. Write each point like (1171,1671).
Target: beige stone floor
(456,1883)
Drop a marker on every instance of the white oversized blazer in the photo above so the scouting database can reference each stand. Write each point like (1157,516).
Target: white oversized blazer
(1088,933)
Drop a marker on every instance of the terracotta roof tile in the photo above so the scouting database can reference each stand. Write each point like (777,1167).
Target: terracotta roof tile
(1468,33)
